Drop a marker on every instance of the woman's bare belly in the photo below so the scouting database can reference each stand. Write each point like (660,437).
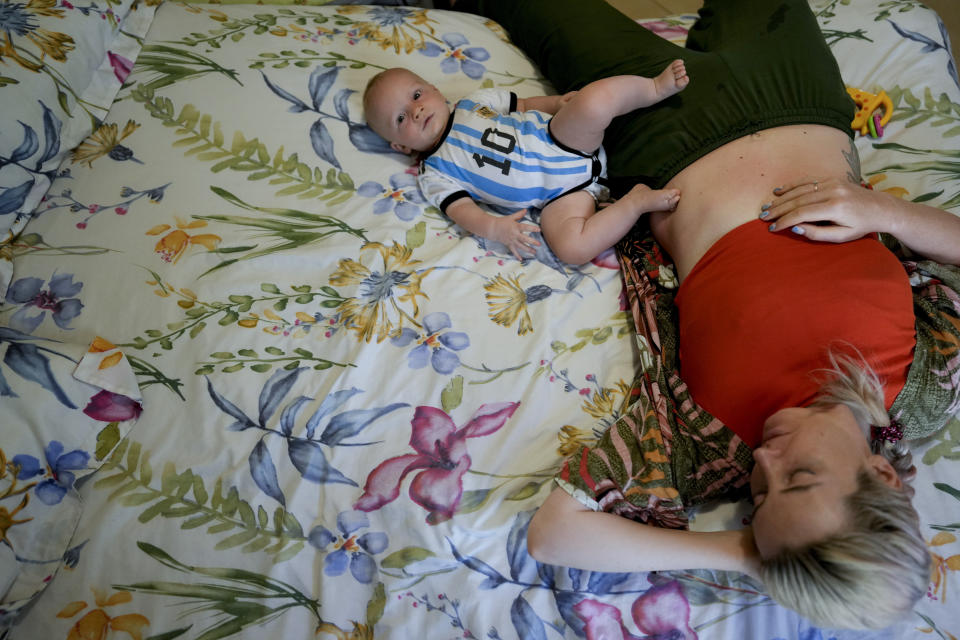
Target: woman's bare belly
(727,187)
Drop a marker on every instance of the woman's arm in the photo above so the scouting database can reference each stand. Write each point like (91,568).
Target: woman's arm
(835,211)
(565,532)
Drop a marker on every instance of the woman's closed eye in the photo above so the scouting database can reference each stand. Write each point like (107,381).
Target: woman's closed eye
(801,473)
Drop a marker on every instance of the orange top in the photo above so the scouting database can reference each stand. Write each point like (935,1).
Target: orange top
(759,311)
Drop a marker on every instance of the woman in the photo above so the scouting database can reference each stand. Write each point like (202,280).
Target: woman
(780,282)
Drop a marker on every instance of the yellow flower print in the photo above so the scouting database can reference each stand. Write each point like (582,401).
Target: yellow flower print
(940,566)
(391,27)
(607,402)
(360,631)
(497,29)
(573,439)
(95,623)
(8,473)
(7,520)
(508,301)
(171,246)
(105,142)
(19,20)
(874,180)
(377,310)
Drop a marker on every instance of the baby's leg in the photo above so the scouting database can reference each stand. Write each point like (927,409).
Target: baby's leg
(577,232)
(581,122)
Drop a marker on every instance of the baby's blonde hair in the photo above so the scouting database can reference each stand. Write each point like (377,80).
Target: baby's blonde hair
(371,84)
(872,573)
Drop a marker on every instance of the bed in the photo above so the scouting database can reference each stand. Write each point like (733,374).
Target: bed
(253,386)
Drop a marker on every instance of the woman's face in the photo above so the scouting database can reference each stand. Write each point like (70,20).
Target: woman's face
(805,467)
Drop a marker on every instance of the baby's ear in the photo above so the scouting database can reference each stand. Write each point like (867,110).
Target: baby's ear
(402,148)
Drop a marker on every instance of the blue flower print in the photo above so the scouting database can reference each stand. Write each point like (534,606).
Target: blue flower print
(434,347)
(389,16)
(402,196)
(457,57)
(349,549)
(58,297)
(61,466)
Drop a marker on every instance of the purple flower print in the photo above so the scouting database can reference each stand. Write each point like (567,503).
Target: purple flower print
(58,297)
(434,347)
(349,549)
(402,196)
(661,612)
(61,466)
(457,57)
(441,453)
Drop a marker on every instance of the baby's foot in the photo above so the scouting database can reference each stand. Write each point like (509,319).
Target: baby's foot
(646,199)
(672,79)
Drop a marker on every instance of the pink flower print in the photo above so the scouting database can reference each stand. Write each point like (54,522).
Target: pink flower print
(607,259)
(121,66)
(441,451)
(664,611)
(603,621)
(661,612)
(108,406)
(667,29)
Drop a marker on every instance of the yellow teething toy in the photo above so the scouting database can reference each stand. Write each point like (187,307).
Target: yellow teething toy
(867,103)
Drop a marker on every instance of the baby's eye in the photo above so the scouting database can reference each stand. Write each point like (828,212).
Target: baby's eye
(416,94)
(400,118)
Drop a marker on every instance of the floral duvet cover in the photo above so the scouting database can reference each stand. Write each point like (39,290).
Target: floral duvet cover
(252,385)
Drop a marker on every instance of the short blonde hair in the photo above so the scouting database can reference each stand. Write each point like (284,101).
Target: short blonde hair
(371,84)
(871,574)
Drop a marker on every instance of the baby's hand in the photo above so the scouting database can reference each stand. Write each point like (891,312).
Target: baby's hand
(509,231)
(646,200)
(565,98)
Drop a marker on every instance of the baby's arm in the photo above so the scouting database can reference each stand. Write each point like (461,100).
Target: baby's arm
(507,230)
(546,104)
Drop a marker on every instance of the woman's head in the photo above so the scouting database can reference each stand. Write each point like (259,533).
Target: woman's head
(839,540)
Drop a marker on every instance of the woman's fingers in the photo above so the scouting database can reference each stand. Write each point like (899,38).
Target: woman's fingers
(800,187)
(775,210)
(825,233)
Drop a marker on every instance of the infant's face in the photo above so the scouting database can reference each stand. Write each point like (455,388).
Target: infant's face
(408,111)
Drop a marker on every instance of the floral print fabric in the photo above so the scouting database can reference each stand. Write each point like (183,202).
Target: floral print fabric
(348,409)
(61,65)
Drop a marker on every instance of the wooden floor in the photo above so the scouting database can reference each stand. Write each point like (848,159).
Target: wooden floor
(949,11)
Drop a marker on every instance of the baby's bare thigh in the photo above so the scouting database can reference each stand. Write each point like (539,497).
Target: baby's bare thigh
(575,207)
(572,128)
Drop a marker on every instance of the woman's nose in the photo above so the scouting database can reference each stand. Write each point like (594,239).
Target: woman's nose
(765,458)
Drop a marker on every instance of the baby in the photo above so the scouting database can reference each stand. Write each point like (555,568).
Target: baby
(508,151)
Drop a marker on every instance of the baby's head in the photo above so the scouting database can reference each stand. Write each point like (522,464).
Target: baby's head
(406,110)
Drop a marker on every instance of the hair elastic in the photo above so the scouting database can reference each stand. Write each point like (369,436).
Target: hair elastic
(890,433)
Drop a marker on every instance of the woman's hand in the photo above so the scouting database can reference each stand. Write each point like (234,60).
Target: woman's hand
(828,211)
(510,231)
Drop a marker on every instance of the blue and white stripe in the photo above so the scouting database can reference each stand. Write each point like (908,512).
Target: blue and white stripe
(539,170)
